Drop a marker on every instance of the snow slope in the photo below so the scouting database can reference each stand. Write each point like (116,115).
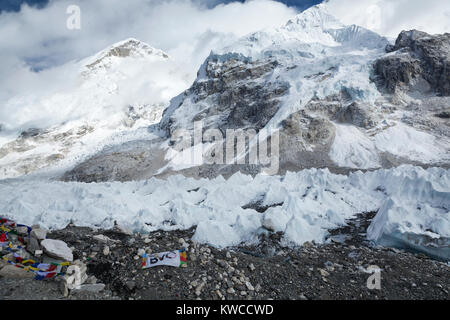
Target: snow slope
(303,205)
(354,149)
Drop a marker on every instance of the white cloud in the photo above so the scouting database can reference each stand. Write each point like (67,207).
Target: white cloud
(186,29)
(390,17)
(173,26)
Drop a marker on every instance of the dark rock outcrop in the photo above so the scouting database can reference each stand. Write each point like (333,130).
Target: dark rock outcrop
(357,115)
(136,160)
(416,56)
(236,92)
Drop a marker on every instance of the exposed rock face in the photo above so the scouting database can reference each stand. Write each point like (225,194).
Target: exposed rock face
(27,145)
(311,130)
(232,93)
(357,115)
(416,56)
(32,132)
(307,135)
(138,161)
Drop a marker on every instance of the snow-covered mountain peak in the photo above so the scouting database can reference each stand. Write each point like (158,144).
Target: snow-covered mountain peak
(313,18)
(116,92)
(310,34)
(129,48)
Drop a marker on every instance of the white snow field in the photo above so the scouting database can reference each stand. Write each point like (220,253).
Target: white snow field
(414,202)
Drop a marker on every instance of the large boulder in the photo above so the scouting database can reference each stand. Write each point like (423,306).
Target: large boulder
(231,91)
(57,249)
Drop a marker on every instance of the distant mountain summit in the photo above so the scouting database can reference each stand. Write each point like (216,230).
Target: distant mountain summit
(129,48)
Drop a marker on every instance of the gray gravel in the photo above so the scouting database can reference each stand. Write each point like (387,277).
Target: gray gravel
(334,270)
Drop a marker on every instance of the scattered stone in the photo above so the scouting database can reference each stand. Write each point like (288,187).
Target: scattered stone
(122,229)
(39,234)
(329,266)
(323,272)
(130,285)
(279,275)
(91,280)
(57,249)
(64,289)
(102,238)
(33,245)
(249,286)
(231,291)
(200,286)
(221,263)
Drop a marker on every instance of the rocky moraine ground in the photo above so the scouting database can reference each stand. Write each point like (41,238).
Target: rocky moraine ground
(337,269)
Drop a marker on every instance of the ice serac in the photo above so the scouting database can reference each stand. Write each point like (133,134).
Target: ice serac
(302,205)
(416,217)
(119,92)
